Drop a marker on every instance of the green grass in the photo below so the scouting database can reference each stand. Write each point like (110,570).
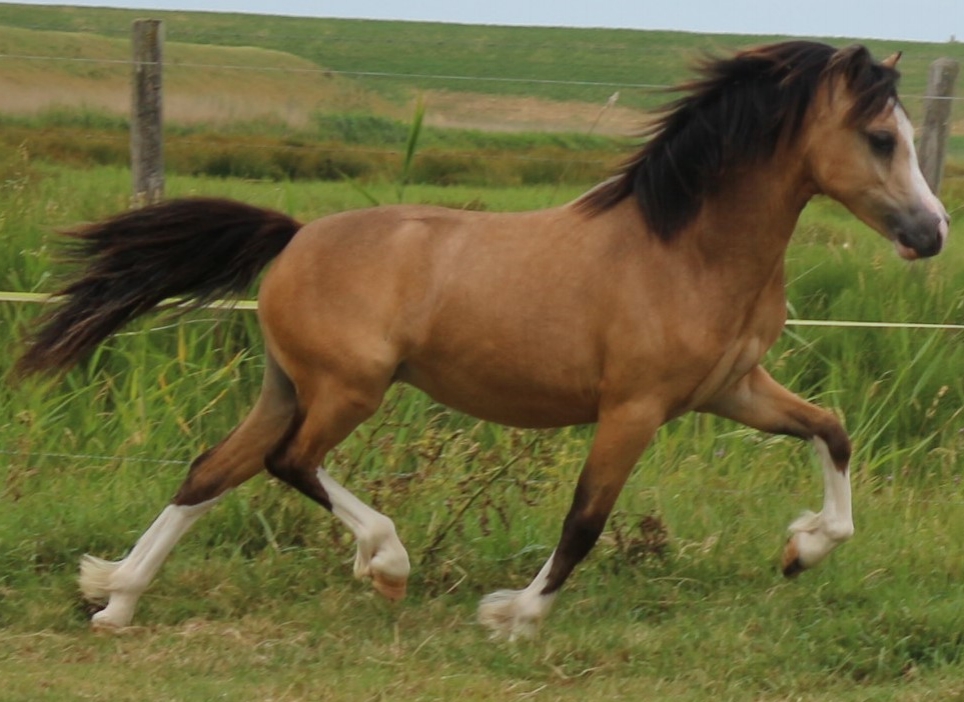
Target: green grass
(681,600)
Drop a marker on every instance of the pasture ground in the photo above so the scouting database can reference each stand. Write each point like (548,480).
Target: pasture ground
(681,600)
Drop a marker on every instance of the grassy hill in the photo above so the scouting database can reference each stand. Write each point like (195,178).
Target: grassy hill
(267,83)
(608,56)
(46,69)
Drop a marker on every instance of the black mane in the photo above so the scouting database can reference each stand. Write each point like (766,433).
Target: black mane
(735,113)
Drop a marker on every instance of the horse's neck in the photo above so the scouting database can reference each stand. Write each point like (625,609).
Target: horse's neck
(748,224)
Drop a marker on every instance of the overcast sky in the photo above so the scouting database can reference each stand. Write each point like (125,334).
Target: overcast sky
(915,20)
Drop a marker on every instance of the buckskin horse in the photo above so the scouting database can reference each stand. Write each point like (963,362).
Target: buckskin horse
(656,293)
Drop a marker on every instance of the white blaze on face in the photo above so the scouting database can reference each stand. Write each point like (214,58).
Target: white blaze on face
(920,189)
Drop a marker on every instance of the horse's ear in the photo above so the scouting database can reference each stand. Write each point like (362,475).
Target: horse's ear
(891,61)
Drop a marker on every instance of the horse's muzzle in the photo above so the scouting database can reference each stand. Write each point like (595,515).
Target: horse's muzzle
(919,233)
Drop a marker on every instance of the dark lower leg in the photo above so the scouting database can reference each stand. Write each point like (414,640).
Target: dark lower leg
(241,454)
(580,531)
(289,465)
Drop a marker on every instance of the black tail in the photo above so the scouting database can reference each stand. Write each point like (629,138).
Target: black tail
(196,249)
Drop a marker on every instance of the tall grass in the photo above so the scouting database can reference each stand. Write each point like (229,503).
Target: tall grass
(360,147)
(681,599)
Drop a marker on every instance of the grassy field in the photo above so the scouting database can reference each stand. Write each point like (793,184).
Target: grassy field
(305,125)
(681,600)
(544,78)
(544,54)
(335,96)
(47,69)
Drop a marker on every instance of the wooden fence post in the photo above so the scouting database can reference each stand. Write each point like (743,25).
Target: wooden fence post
(147,141)
(937,120)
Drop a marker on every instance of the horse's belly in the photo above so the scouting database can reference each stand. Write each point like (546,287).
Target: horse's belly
(515,400)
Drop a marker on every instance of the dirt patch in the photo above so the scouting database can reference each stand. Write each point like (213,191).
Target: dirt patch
(295,106)
(498,113)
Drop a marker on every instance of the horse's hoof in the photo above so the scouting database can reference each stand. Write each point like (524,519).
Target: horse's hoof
(792,565)
(393,589)
(510,615)
(102,625)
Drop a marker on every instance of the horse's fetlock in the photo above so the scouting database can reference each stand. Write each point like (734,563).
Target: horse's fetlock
(839,532)
(377,533)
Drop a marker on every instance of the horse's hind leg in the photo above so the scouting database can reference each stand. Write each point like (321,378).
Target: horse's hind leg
(333,410)
(230,463)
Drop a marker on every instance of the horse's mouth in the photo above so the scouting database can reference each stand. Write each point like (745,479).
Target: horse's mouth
(919,237)
(911,250)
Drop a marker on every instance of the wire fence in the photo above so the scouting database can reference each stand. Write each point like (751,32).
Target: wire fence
(361,73)
(950,492)
(252,306)
(328,72)
(351,49)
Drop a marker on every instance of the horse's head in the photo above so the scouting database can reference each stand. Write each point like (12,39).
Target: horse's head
(861,152)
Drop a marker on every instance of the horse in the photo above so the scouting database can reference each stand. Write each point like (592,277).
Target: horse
(654,294)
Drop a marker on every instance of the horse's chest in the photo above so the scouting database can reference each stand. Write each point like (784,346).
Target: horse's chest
(728,365)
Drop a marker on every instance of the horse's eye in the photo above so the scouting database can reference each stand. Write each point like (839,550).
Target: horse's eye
(882,143)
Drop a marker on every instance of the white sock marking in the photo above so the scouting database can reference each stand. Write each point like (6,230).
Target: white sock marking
(515,614)
(380,555)
(122,582)
(816,535)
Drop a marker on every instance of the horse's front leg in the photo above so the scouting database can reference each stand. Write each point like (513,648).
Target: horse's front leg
(621,436)
(758,401)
